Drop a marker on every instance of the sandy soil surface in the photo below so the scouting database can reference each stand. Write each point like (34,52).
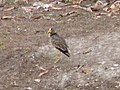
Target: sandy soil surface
(27,58)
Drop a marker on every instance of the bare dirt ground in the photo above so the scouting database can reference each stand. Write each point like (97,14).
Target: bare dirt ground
(27,58)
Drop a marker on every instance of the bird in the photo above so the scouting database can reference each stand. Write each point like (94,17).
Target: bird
(58,42)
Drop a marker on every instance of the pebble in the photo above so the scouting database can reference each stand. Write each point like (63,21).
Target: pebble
(37,80)
(116,65)
(28,88)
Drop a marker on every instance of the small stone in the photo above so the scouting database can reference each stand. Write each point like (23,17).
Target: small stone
(112,68)
(87,84)
(96,80)
(115,65)
(25,30)
(102,62)
(28,88)
(97,87)
(88,78)
(37,80)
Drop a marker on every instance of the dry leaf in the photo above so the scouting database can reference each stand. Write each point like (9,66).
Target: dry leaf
(88,51)
(29,8)
(115,7)
(86,69)
(43,73)
(41,68)
(98,6)
(9,9)
(83,8)
(7,17)
(86,9)
(75,6)
(77,1)
(21,1)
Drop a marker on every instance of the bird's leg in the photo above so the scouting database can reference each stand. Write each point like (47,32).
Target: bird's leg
(57,56)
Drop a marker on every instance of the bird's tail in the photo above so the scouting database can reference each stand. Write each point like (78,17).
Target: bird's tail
(67,53)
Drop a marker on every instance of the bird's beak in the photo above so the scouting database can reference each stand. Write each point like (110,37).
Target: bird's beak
(49,31)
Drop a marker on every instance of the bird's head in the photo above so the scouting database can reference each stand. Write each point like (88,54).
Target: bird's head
(51,31)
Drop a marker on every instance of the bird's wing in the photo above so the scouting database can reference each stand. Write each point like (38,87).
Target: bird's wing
(59,42)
